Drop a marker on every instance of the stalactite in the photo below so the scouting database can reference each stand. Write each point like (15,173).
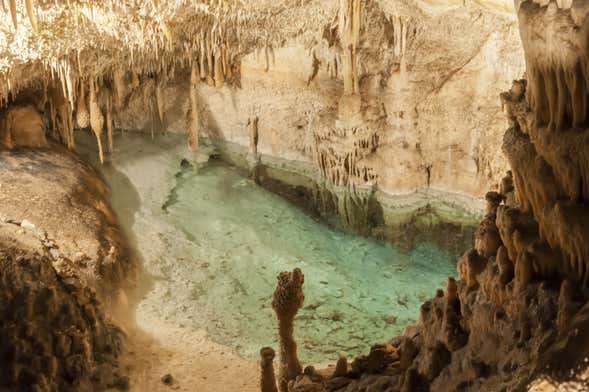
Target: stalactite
(159,100)
(202,57)
(219,75)
(31,15)
(13,13)
(61,118)
(109,124)
(70,84)
(266,57)
(135,82)
(209,52)
(119,85)
(193,120)
(96,118)
(82,113)
(350,13)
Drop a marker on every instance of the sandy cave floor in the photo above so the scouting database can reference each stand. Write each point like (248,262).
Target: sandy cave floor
(156,348)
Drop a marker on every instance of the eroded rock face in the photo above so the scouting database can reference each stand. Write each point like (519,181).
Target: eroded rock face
(54,332)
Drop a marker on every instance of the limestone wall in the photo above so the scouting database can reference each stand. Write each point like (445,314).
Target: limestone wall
(426,113)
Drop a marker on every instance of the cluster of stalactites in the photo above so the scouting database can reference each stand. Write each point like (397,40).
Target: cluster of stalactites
(547,142)
(340,151)
(344,167)
(76,99)
(555,39)
(142,35)
(400,34)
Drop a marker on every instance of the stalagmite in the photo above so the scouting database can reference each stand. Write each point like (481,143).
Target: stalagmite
(470,265)
(96,118)
(505,266)
(267,377)
(341,367)
(252,124)
(566,306)
(287,300)
(523,272)
(193,119)
(454,336)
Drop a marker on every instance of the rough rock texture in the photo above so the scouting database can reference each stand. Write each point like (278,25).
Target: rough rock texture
(54,333)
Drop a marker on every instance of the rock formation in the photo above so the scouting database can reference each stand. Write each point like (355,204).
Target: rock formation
(267,377)
(287,300)
(65,197)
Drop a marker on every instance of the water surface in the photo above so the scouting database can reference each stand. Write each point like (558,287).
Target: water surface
(215,241)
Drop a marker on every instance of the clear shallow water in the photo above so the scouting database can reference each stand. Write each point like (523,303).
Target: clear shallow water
(217,246)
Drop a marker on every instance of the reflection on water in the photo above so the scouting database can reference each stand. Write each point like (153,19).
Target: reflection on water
(219,241)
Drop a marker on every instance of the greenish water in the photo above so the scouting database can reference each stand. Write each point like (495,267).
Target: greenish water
(215,250)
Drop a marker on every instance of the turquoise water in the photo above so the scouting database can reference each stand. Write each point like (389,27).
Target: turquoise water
(216,247)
